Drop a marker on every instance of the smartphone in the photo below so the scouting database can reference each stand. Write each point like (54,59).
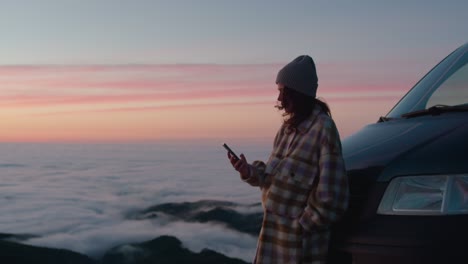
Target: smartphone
(230,151)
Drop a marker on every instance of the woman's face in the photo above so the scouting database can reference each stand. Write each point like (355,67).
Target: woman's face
(284,100)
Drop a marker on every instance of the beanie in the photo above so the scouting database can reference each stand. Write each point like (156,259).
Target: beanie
(300,75)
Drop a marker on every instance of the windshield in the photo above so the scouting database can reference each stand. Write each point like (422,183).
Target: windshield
(446,84)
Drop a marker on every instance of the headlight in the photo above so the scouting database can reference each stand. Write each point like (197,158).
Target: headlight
(426,195)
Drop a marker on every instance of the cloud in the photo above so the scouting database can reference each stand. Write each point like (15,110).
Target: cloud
(59,96)
(35,87)
(96,241)
(78,196)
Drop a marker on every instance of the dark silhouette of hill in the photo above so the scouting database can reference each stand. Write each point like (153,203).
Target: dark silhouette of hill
(208,211)
(13,252)
(164,250)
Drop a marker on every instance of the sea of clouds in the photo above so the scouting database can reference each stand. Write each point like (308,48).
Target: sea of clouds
(79,196)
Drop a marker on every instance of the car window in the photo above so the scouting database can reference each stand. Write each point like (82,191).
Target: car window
(453,91)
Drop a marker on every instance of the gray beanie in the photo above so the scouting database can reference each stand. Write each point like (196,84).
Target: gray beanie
(300,75)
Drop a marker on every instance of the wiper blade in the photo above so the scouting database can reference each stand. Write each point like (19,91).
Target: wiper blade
(437,110)
(384,119)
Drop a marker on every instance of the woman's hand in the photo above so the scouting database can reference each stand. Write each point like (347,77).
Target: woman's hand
(240,165)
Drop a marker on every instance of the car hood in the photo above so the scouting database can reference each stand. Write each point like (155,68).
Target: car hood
(420,145)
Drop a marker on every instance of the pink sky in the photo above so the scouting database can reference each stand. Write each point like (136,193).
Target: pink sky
(149,70)
(157,102)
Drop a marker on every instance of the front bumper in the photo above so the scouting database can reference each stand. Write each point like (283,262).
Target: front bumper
(408,239)
(381,239)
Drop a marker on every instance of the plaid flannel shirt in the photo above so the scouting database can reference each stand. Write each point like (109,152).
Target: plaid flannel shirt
(304,190)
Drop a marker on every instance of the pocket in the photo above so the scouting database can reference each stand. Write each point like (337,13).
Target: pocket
(298,171)
(290,188)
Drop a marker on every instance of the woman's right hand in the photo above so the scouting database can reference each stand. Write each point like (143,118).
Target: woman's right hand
(241,165)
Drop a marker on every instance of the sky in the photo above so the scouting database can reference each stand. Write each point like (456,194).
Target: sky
(87,71)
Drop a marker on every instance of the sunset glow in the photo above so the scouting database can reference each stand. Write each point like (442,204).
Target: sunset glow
(80,71)
(151,102)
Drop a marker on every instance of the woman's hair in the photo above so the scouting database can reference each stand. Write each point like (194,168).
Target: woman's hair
(302,106)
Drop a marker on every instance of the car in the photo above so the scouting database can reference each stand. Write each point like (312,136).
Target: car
(408,176)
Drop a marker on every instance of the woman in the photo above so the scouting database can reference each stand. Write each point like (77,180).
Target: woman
(303,183)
